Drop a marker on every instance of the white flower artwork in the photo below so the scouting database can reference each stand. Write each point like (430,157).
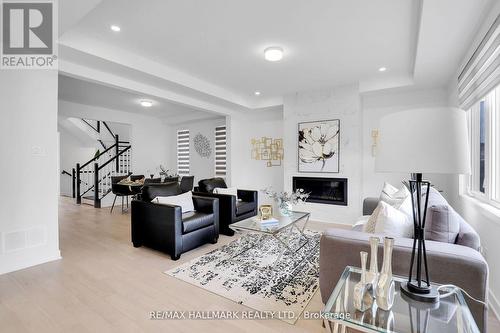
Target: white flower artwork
(319,146)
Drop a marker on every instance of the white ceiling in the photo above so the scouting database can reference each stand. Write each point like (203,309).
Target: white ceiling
(94,94)
(213,50)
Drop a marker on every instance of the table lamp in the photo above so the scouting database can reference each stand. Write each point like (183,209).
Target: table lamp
(418,141)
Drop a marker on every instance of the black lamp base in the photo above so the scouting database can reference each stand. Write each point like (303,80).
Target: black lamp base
(432,296)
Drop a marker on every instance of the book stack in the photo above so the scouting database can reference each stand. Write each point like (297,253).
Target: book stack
(269,222)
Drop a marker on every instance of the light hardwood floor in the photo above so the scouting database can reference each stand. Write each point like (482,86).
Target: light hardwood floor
(103,284)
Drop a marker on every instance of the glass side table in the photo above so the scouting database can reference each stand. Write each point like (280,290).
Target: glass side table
(450,314)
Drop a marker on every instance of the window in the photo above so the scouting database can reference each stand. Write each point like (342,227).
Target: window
(220,151)
(183,152)
(484,137)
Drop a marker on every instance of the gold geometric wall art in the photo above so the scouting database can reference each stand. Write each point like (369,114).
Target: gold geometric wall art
(269,150)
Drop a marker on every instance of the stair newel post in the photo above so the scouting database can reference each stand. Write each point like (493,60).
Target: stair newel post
(117,143)
(73,183)
(78,196)
(97,201)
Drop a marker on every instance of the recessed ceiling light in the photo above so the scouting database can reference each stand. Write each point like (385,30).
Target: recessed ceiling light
(115,28)
(257,93)
(273,53)
(382,69)
(146,103)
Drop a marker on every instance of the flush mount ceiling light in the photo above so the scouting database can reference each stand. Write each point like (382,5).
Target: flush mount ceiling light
(382,69)
(115,28)
(146,103)
(273,53)
(257,93)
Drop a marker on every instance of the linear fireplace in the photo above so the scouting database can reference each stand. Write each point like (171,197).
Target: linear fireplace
(332,191)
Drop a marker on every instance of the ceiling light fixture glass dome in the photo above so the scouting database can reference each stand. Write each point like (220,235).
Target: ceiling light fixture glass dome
(146,103)
(273,53)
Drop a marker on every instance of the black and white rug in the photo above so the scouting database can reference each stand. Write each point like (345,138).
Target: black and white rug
(246,271)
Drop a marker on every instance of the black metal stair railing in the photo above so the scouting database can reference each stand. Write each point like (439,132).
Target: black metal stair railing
(93,178)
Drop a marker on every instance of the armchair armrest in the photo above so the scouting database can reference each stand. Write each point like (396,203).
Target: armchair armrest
(227,204)
(369,205)
(158,225)
(208,205)
(205,204)
(248,195)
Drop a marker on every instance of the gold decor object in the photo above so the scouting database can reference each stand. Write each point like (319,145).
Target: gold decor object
(375,136)
(268,149)
(266,212)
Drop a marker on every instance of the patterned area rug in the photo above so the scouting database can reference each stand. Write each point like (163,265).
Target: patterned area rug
(249,271)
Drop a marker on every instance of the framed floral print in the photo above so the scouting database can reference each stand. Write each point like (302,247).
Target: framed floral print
(318,146)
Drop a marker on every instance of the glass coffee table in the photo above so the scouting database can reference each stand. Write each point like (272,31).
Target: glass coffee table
(281,231)
(450,314)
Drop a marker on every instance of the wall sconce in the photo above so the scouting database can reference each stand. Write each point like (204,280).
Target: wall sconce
(374,142)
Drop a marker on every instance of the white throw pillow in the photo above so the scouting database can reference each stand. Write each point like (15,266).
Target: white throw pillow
(185,200)
(229,190)
(369,226)
(398,198)
(406,208)
(393,196)
(392,222)
(360,223)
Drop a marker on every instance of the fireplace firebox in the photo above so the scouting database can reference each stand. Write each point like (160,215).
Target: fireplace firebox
(331,191)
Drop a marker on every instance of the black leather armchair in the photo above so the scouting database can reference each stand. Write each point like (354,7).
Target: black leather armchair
(231,209)
(186,183)
(166,228)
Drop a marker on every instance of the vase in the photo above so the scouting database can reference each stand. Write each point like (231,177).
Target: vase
(372,274)
(285,208)
(362,294)
(385,290)
(385,320)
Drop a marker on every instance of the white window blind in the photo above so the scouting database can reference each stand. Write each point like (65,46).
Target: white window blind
(183,152)
(482,72)
(220,151)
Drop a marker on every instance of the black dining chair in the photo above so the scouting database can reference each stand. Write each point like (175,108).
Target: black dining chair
(119,190)
(174,179)
(136,177)
(187,183)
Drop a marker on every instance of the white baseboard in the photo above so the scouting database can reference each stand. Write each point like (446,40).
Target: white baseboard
(494,304)
(30,263)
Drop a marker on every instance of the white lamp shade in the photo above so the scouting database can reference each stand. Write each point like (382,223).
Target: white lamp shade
(433,140)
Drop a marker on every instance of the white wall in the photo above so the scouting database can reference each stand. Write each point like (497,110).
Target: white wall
(150,138)
(29,150)
(71,151)
(340,103)
(484,218)
(200,167)
(375,106)
(245,172)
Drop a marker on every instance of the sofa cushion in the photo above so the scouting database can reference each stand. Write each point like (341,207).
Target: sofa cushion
(243,207)
(442,222)
(208,185)
(195,220)
(151,191)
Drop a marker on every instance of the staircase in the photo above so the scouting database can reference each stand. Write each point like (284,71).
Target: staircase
(91,181)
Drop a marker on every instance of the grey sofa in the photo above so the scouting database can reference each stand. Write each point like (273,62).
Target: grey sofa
(458,262)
